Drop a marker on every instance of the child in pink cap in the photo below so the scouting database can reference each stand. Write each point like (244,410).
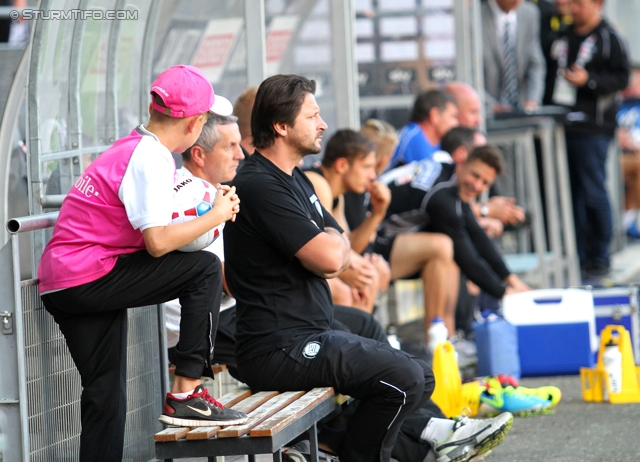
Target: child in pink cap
(114,247)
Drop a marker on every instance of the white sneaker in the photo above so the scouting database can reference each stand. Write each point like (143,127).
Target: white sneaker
(472,437)
(301,452)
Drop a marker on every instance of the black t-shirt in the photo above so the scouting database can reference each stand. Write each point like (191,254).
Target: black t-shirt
(355,208)
(424,197)
(279,302)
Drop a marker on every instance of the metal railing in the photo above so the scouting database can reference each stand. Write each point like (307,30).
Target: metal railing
(552,230)
(40,385)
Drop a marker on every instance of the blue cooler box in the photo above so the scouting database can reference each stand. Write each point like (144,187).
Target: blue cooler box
(556,330)
(618,306)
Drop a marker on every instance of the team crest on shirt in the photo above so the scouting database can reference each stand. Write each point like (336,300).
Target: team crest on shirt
(311,350)
(426,173)
(314,200)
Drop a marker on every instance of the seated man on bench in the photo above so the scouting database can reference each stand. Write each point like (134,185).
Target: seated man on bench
(348,165)
(439,202)
(214,157)
(280,252)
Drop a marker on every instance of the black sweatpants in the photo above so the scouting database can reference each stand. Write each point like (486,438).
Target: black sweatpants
(345,318)
(93,319)
(408,446)
(389,383)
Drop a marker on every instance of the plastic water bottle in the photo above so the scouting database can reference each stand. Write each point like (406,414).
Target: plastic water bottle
(612,363)
(392,337)
(436,334)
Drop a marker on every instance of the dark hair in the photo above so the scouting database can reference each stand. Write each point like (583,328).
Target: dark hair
(489,155)
(242,109)
(348,144)
(278,100)
(429,100)
(456,137)
(209,135)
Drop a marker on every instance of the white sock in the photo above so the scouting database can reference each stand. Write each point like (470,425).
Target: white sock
(187,393)
(437,430)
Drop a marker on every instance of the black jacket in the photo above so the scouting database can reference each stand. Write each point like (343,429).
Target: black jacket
(608,68)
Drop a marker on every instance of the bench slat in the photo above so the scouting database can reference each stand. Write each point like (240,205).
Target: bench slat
(234,397)
(284,417)
(202,433)
(217,368)
(252,402)
(263,412)
(171,434)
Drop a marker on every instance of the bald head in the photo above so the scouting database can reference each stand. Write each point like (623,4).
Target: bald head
(468,104)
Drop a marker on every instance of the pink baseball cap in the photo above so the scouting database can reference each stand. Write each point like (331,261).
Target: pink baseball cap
(185,92)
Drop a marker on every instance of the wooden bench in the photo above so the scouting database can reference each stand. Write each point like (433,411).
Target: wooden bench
(275,419)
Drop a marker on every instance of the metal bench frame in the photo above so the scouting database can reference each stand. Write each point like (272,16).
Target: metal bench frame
(251,445)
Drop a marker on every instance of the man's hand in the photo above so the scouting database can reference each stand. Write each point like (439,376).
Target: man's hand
(359,274)
(505,210)
(497,108)
(515,285)
(530,106)
(492,226)
(380,198)
(577,75)
(383,268)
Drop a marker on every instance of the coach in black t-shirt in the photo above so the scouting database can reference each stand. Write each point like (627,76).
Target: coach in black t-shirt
(280,251)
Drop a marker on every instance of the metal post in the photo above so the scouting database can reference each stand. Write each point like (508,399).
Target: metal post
(254,27)
(72,170)
(545,133)
(537,220)
(147,57)
(33,130)
(478,61)
(463,32)
(568,229)
(8,124)
(345,67)
(313,442)
(164,356)
(13,393)
(111,109)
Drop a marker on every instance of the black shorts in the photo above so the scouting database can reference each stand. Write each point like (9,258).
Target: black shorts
(383,246)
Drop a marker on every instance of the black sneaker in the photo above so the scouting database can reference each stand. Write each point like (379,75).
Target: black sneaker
(199,410)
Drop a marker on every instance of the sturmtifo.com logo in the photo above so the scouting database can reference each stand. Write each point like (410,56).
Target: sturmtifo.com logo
(75,15)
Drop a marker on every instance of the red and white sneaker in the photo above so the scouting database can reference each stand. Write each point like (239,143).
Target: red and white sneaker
(199,410)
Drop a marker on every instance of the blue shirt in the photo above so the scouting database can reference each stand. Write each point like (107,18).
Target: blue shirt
(413,146)
(629,118)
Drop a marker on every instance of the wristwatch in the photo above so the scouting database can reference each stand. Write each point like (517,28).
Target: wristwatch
(484,210)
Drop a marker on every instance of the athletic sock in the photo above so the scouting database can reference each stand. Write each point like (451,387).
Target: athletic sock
(183,395)
(437,430)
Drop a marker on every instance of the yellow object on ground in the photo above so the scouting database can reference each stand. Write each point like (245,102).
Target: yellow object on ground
(448,392)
